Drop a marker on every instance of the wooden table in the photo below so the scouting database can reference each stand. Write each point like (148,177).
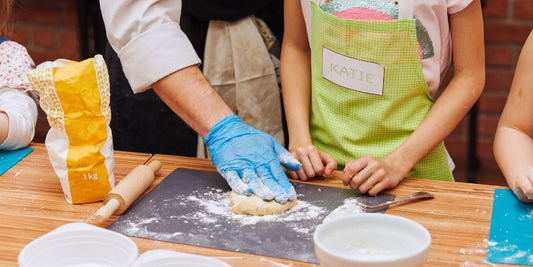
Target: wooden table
(32,201)
(32,204)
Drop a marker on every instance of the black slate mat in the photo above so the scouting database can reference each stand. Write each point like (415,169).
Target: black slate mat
(192,207)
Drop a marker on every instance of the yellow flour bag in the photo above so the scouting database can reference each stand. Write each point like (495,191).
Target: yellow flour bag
(75,98)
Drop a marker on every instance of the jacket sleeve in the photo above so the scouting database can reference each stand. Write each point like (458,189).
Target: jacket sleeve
(148,39)
(22,113)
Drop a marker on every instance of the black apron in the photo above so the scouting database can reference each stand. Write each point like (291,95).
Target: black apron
(142,122)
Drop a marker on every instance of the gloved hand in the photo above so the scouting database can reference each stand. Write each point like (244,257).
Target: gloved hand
(250,160)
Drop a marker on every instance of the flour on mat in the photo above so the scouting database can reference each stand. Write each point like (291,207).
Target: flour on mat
(349,207)
(214,211)
(516,253)
(141,227)
(528,216)
(217,203)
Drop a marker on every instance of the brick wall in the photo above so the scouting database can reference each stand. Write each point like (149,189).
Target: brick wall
(49,29)
(507,25)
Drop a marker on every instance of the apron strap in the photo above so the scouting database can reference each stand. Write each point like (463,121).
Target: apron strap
(406,9)
(319,2)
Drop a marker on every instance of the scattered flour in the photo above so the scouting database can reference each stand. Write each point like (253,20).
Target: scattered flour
(214,205)
(471,251)
(217,203)
(205,218)
(349,207)
(515,254)
(214,208)
(479,249)
(518,254)
(473,264)
(528,216)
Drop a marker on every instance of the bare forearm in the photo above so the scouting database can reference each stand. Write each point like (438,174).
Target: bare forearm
(444,116)
(296,75)
(513,151)
(189,95)
(464,89)
(296,84)
(513,143)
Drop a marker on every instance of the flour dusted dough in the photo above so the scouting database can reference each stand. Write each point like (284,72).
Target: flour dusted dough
(254,205)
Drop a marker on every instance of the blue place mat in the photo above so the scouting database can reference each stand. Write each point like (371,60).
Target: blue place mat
(511,230)
(8,158)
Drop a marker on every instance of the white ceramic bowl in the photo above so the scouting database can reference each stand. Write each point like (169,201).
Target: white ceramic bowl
(371,240)
(79,244)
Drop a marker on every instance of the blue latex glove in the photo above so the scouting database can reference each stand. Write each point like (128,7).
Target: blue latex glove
(250,160)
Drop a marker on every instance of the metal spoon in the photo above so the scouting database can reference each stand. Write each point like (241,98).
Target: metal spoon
(414,196)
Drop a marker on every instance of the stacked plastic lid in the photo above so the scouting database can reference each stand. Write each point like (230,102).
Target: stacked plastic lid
(80,244)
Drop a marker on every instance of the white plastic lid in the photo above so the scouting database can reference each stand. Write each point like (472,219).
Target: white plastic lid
(80,245)
(168,258)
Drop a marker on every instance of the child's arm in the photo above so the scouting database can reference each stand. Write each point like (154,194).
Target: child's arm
(18,116)
(513,143)
(4,126)
(296,85)
(18,111)
(372,175)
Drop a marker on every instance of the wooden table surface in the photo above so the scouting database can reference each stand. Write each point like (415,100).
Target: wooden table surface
(32,204)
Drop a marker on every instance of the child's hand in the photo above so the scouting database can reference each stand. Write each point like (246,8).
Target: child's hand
(524,185)
(370,175)
(314,163)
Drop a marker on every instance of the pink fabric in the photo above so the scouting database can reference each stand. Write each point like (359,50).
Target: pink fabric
(361,13)
(14,63)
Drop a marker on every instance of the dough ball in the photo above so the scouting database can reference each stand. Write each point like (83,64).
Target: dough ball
(253,205)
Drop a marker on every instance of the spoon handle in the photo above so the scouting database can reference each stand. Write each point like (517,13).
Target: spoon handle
(414,196)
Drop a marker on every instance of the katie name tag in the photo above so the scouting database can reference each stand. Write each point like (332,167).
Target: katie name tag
(352,73)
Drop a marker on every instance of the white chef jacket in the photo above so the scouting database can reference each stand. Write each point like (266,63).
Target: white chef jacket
(148,39)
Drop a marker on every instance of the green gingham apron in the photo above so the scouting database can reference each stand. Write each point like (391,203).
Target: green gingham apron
(357,112)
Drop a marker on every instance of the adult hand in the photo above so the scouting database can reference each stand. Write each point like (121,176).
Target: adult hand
(370,175)
(250,160)
(314,163)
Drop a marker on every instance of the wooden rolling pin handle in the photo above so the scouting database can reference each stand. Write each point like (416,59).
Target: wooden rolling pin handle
(155,165)
(103,213)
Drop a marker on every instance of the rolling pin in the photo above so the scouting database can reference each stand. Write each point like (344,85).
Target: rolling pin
(127,190)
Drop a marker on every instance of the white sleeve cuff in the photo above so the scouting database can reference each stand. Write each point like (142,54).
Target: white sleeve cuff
(155,54)
(22,113)
(455,6)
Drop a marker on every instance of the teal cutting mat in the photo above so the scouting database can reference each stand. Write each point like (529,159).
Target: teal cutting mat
(511,230)
(8,158)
